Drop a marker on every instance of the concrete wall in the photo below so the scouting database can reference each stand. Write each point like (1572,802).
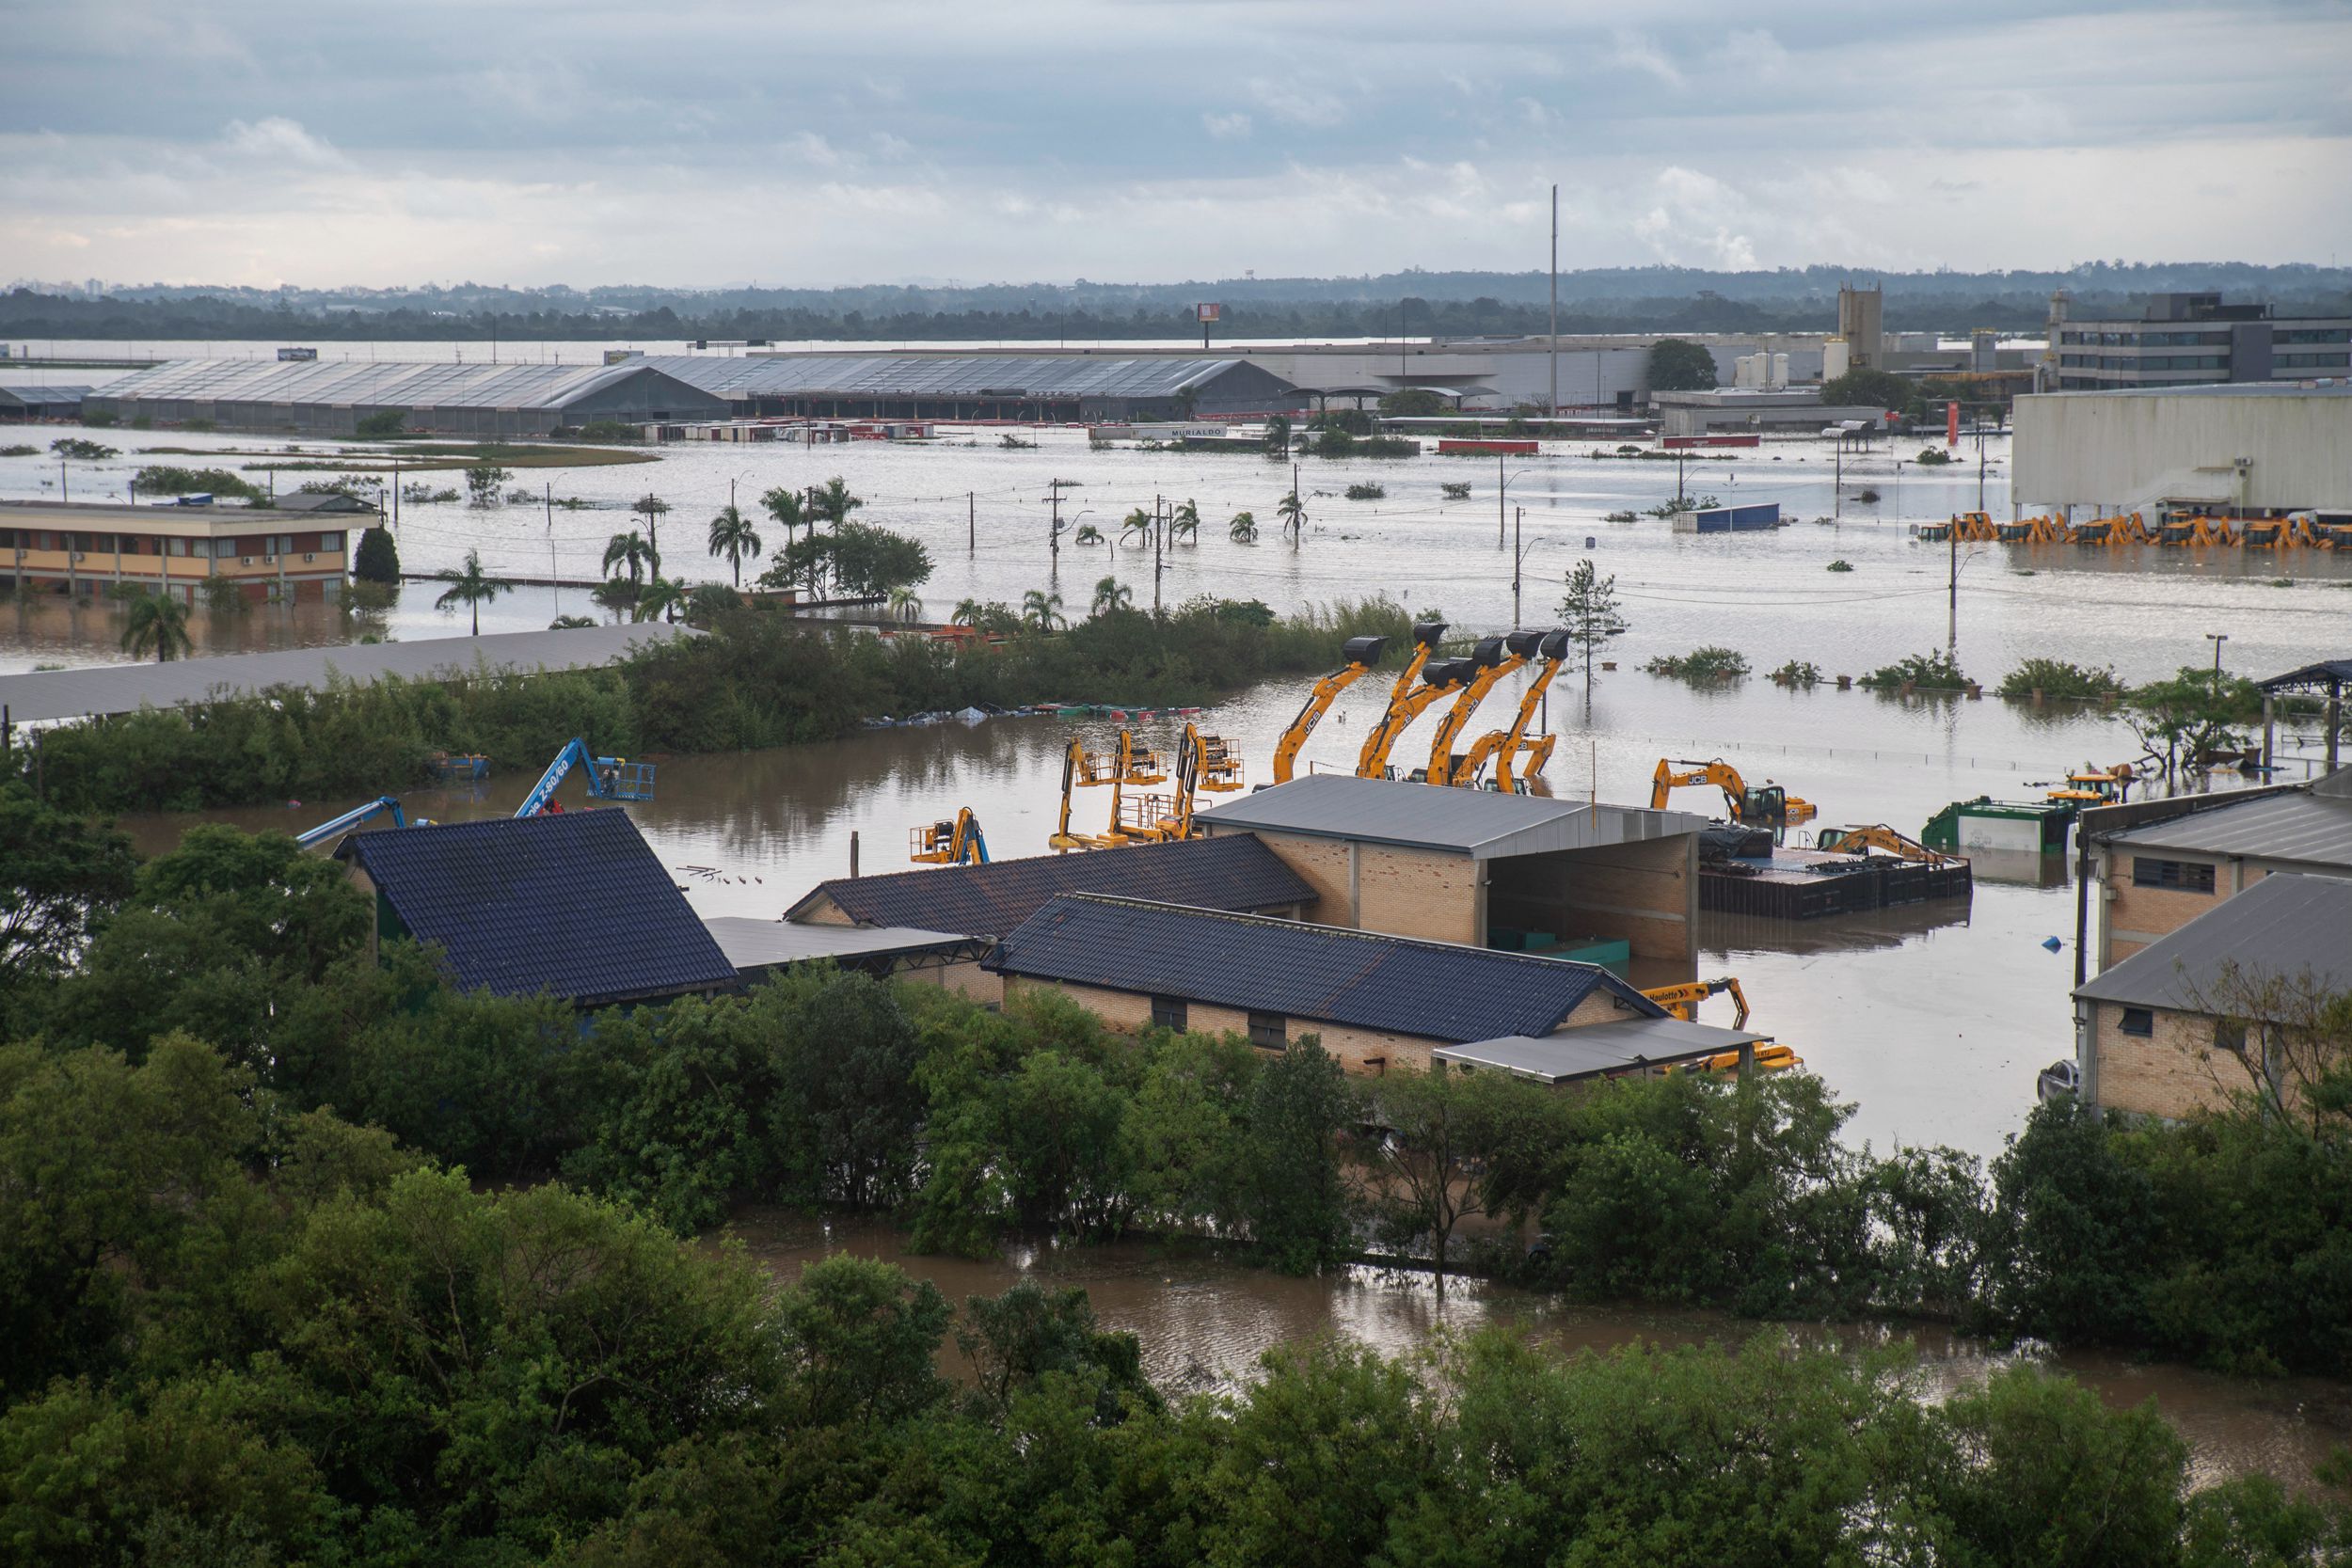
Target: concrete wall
(1381,887)
(1645,892)
(2173,1073)
(2106,449)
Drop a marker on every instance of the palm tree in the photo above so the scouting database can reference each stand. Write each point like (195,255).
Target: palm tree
(470,588)
(732,535)
(1185,522)
(789,508)
(967,613)
(157,621)
(834,503)
(565,622)
(1088,534)
(1243,529)
(1293,514)
(1138,522)
(1042,610)
(629,550)
(904,605)
(662,596)
(1110,595)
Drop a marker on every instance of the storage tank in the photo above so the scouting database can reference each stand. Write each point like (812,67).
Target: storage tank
(1780,371)
(1837,360)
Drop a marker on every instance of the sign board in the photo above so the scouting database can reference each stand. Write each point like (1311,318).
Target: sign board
(302,354)
(1208,313)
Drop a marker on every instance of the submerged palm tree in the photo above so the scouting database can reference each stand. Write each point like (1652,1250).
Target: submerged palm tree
(1110,595)
(1243,529)
(904,605)
(1136,522)
(157,621)
(662,596)
(733,536)
(1184,522)
(1293,514)
(967,613)
(471,588)
(566,623)
(789,508)
(629,550)
(834,503)
(1042,610)
(1088,534)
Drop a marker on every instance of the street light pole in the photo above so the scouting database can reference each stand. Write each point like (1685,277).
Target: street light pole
(1519,558)
(1502,487)
(2217,638)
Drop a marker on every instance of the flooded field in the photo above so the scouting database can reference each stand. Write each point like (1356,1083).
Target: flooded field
(1203,1322)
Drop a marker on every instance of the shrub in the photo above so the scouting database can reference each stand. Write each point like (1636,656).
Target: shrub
(1866,496)
(377,560)
(162,478)
(73,447)
(1841,565)
(1365,492)
(1936,670)
(382,425)
(2057,678)
(1932,458)
(1700,666)
(1798,672)
(1455,491)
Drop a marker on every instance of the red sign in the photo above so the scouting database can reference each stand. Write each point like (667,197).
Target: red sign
(1208,313)
(1951,424)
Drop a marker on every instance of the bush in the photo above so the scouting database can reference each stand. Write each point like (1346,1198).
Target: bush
(2056,677)
(1701,666)
(1454,490)
(1840,565)
(1936,670)
(382,425)
(1932,458)
(79,450)
(1363,492)
(162,478)
(1798,672)
(377,560)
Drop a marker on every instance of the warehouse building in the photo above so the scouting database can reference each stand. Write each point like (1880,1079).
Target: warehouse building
(331,397)
(1075,387)
(19,404)
(2194,338)
(1480,867)
(2248,448)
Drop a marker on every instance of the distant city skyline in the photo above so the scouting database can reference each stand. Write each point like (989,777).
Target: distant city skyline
(251,142)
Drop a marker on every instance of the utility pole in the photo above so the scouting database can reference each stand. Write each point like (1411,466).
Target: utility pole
(2217,638)
(1054,536)
(64,494)
(1501,486)
(1951,634)
(1836,483)
(1980,465)
(1554,409)
(1157,537)
(971,523)
(551,489)
(1519,556)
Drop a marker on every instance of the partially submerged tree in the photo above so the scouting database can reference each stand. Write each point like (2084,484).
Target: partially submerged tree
(471,587)
(1589,614)
(159,622)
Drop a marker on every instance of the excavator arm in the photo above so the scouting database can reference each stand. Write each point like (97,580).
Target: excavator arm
(1769,806)
(1683,1000)
(1077,770)
(1554,652)
(1445,678)
(1498,657)
(957,843)
(1877,836)
(1361,654)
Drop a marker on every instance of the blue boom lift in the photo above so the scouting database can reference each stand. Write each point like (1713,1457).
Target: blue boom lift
(609,778)
(353,817)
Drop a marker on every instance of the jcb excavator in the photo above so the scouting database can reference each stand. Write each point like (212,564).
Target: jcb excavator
(957,843)
(1766,806)
(1443,677)
(1877,836)
(1516,649)
(1361,654)
(1683,1001)
(1500,748)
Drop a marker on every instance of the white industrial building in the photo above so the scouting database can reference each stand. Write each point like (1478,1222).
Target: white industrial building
(2253,447)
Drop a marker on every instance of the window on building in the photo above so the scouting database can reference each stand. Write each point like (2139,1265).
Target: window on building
(330,541)
(1269,1031)
(2185,876)
(2139,1022)
(2228,1034)
(1169,1012)
(2315,335)
(2311,361)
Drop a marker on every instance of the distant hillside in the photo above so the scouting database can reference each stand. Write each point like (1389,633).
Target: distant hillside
(1614,299)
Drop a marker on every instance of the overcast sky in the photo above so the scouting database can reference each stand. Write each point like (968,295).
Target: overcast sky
(697,142)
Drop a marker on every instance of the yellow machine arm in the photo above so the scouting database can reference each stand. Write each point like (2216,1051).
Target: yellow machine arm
(1158,819)
(957,843)
(1500,746)
(1538,754)
(1683,1001)
(1877,836)
(1499,655)
(1751,806)
(1446,676)
(1080,768)
(1220,765)
(1361,654)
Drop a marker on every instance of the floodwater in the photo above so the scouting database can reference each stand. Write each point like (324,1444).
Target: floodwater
(1204,1322)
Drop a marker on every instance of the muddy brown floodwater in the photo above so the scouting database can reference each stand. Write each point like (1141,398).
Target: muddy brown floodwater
(1204,1322)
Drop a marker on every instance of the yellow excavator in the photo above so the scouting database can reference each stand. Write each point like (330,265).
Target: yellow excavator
(1499,748)
(1683,1000)
(1516,648)
(1877,836)
(957,843)
(1361,654)
(1766,806)
(1442,678)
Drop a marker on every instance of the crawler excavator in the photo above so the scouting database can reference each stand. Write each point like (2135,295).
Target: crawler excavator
(1443,677)
(1500,746)
(957,843)
(1877,836)
(1361,654)
(1766,806)
(1444,767)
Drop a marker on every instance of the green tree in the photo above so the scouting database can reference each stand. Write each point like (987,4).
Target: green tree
(861,561)
(662,597)
(860,1341)
(1296,1200)
(1088,534)
(1137,526)
(156,621)
(1456,1146)
(630,552)
(1277,435)
(851,1107)
(1590,615)
(482,483)
(905,604)
(378,558)
(2195,712)
(1293,514)
(832,503)
(654,509)
(788,507)
(1184,1139)
(1680,365)
(1185,522)
(1414,403)
(471,587)
(1110,595)
(1041,611)
(733,536)
(65,876)
(1243,529)
(1015,1339)
(1868,389)
(2073,1238)
(382,425)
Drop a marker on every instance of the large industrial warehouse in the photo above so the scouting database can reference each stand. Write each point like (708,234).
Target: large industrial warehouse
(2248,447)
(330,397)
(1075,387)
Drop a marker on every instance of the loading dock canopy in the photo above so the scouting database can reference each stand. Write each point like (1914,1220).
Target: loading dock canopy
(1600,1049)
(1483,824)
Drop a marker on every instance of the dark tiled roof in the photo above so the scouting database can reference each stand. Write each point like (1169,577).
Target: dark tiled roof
(1229,871)
(1325,974)
(572,903)
(2282,927)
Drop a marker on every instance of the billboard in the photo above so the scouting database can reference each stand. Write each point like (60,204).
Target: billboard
(1207,313)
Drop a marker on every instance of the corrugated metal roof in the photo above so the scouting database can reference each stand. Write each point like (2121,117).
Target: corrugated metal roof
(42,396)
(943,375)
(763,943)
(102,688)
(2326,671)
(345,382)
(1233,872)
(2334,388)
(1313,974)
(573,903)
(1596,1049)
(2297,825)
(2282,927)
(1483,824)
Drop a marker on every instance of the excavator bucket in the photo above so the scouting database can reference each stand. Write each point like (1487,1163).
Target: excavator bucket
(1429,633)
(1363,650)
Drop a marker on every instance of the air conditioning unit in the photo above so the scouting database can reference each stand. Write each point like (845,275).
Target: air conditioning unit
(308,558)
(244,560)
(269,561)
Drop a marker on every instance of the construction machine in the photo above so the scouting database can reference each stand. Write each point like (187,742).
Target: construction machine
(1500,748)
(1766,806)
(1512,650)
(2091,787)
(957,843)
(1877,836)
(1683,1000)
(1079,767)
(1443,678)
(1220,765)
(1159,819)
(1361,654)
(608,778)
(1975,528)
(381,805)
